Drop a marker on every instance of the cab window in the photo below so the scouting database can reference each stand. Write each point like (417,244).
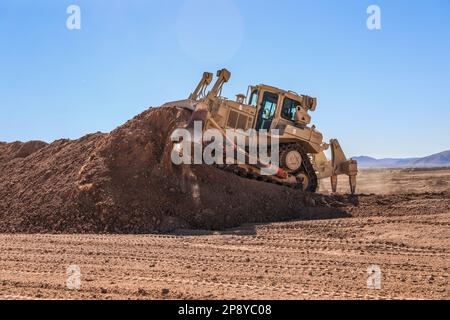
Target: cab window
(267,111)
(289,109)
(254,98)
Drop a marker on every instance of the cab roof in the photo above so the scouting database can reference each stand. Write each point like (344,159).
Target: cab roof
(289,93)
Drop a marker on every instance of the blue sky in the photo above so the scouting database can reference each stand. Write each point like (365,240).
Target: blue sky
(381,93)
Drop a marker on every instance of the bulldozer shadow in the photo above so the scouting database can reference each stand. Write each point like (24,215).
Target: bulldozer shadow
(251,229)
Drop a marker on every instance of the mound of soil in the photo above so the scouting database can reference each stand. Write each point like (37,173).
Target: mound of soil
(10,151)
(124,182)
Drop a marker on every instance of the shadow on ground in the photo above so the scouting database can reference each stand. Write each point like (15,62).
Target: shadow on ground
(249,229)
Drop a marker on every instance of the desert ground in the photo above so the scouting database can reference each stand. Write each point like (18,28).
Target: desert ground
(400,222)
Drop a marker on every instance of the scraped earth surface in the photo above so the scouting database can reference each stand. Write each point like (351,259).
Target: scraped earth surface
(407,235)
(140,228)
(395,181)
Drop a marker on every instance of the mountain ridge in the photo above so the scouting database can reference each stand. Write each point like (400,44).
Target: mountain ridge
(441,159)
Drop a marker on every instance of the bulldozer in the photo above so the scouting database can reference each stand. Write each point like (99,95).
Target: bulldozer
(302,158)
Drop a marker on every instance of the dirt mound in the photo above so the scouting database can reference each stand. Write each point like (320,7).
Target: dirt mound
(10,151)
(124,182)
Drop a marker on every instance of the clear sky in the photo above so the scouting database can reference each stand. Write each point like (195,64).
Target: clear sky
(381,92)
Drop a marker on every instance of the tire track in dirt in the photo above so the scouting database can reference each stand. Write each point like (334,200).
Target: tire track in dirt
(324,259)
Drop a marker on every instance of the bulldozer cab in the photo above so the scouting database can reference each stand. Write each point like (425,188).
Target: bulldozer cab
(276,105)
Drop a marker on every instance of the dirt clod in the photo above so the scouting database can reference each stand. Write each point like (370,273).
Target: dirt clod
(142,292)
(165,291)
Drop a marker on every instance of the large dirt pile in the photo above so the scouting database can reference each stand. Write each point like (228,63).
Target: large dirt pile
(124,182)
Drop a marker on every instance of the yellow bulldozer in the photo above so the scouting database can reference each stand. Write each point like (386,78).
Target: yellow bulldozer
(302,159)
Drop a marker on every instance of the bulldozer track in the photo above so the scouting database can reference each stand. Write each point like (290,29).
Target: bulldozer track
(307,168)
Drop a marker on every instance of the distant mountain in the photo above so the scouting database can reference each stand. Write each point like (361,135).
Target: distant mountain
(436,160)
